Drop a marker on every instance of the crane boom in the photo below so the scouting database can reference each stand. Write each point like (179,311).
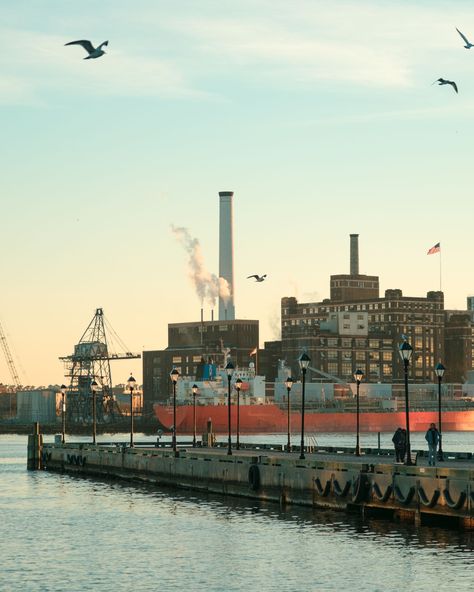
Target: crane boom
(9,358)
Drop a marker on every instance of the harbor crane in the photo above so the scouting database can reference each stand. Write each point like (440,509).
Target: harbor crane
(9,358)
(89,366)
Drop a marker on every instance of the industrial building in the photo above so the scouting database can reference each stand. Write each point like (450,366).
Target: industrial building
(41,405)
(190,345)
(356,328)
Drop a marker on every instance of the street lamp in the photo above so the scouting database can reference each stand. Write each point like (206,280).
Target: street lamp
(406,352)
(288,383)
(238,386)
(303,361)
(358,376)
(439,370)
(174,375)
(230,371)
(195,390)
(131,383)
(94,389)
(63,413)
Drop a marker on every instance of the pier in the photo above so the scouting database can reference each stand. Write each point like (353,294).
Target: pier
(329,478)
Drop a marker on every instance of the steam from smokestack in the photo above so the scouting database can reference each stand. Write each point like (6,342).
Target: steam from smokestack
(208,286)
(354,254)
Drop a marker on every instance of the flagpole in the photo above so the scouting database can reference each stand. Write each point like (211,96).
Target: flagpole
(440,285)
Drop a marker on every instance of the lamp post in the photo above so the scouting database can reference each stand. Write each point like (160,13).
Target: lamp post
(230,371)
(94,389)
(358,376)
(131,383)
(288,383)
(174,375)
(195,390)
(406,352)
(303,361)
(238,386)
(439,370)
(63,413)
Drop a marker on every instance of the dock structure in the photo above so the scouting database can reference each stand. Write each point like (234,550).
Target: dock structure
(327,478)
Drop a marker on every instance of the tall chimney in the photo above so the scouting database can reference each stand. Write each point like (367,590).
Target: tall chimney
(226,254)
(354,254)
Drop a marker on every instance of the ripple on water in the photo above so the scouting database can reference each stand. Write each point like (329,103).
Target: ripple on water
(65,533)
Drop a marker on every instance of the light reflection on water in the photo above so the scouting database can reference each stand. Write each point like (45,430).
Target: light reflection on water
(65,533)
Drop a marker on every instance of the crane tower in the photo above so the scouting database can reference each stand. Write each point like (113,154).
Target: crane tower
(9,358)
(90,363)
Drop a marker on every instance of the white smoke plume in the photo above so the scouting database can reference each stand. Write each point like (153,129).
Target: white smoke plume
(208,286)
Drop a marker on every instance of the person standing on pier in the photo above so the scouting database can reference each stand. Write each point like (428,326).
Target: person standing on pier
(432,437)
(399,442)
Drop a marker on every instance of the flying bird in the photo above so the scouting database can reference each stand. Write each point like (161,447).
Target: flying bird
(442,81)
(258,278)
(468,43)
(94,52)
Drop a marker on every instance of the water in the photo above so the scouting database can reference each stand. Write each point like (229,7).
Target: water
(64,533)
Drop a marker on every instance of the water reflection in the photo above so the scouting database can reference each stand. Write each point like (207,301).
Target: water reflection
(61,532)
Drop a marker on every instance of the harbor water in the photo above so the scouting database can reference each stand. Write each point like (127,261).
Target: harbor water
(66,533)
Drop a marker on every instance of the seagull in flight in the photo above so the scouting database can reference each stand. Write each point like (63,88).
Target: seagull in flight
(442,81)
(464,38)
(258,278)
(94,52)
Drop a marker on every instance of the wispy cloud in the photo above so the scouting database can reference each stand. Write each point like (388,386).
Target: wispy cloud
(271,49)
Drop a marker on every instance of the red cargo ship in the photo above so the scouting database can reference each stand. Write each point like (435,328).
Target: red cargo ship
(271,418)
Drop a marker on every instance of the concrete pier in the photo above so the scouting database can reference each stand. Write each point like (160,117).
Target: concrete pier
(325,479)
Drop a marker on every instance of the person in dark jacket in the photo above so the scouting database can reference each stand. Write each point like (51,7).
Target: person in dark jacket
(400,443)
(432,437)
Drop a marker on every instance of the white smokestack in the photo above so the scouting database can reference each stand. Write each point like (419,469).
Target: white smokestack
(226,255)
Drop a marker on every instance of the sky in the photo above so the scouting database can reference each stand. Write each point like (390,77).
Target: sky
(321,116)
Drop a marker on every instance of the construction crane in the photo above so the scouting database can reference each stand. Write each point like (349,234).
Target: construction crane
(90,365)
(9,358)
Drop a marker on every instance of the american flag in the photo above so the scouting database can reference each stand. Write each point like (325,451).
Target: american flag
(435,249)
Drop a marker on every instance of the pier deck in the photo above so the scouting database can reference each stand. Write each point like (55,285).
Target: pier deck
(326,478)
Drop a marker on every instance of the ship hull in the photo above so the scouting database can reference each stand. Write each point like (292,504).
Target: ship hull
(261,419)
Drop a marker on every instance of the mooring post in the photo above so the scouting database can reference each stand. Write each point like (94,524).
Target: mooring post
(208,438)
(35,449)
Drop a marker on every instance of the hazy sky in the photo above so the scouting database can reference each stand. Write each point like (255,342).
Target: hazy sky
(320,115)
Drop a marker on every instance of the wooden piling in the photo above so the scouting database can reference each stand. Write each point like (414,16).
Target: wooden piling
(35,449)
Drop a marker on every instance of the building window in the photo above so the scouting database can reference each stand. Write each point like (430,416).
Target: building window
(387,356)
(176,359)
(374,370)
(346,369)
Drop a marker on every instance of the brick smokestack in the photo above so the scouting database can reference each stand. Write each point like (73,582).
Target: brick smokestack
(354,254)
(226,254)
